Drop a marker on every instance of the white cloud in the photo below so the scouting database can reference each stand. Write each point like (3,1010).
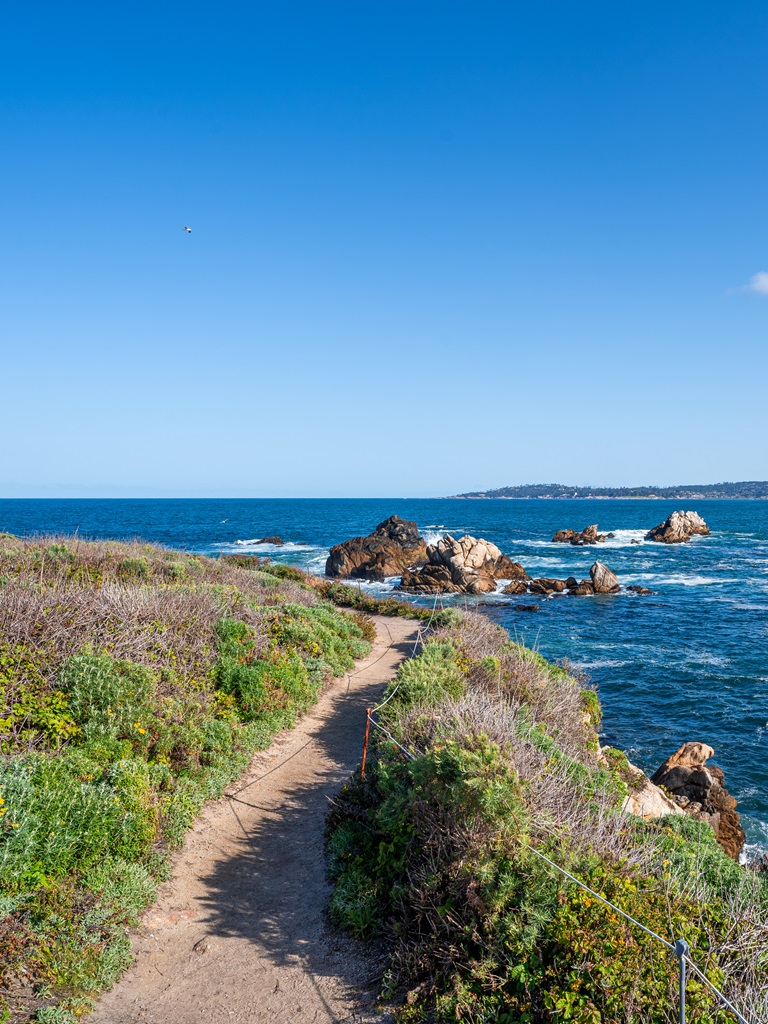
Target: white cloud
(759,283)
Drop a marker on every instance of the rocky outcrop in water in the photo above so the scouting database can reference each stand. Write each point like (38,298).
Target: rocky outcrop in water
(278,542)
(393,547)
(519,586)
(603,580)
(700,791)
(582,589)
(546,585)
(467,565)
(678,528)
(588,535)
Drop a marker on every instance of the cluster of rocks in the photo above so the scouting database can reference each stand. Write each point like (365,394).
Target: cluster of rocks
(601,581)
(463,565)
(579,538)
(471,565)
(685,784)
(393,547)
(455,565)
(699,790)
(678,528)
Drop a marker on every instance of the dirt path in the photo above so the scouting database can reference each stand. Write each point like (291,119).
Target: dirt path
(238,933)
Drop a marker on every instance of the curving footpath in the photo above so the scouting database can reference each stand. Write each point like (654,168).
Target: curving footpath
(238,933)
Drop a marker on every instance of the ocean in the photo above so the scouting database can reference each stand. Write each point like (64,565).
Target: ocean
(689,662)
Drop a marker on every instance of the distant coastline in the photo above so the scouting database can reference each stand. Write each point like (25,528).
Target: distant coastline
(745,489)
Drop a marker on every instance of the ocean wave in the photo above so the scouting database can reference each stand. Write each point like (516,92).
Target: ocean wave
(683,580)
(624,538)
(290,547)
(602,663)
(621,539)
(434,534)
(707,658)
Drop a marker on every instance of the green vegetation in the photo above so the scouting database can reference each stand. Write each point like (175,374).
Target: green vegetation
(437,857)
(683,492)
(135,683)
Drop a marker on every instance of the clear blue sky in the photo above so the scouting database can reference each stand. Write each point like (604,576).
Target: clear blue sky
(436,246)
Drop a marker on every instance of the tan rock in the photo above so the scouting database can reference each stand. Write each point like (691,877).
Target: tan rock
(588,535)
(603,580)
(678,528)
(700,791)
(463,565)
(647,800)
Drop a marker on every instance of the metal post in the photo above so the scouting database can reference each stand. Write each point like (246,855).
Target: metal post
(368,713)
(681,950)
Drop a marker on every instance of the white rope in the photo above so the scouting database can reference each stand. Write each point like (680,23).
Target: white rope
(390,737)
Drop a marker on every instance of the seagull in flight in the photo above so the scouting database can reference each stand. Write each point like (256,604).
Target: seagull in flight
(188,230)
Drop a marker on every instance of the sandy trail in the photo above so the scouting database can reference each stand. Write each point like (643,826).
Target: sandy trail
(238,932)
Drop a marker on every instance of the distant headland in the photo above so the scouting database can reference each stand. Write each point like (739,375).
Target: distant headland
(742,489)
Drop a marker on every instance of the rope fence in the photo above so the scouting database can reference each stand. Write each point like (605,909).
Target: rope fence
(679,948)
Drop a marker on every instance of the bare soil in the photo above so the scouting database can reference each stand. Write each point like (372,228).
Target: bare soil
(239,933)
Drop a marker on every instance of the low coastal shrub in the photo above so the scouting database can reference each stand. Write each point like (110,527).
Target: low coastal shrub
(438,857)
(135,684)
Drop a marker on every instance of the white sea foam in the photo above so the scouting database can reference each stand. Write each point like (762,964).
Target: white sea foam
(624,538)
(434,534)
(681,580)
(707,658)
(256,545)
(602,663)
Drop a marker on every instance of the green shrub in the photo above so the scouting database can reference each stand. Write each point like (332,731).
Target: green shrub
(64,812)
(435,855)
(426,680)
(109,698)
(134,693)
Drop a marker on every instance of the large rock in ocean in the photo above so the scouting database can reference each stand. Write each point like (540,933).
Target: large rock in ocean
(394,546)
(678,528)
(700,791)
(467,565)
(588,535)
(603,580)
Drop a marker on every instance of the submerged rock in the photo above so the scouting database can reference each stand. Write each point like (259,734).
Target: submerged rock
(467,565)
(700,791)
(394,546)
(588,535)
(639,590)
(277,541)
(678,528)
(603,580)
(526,608)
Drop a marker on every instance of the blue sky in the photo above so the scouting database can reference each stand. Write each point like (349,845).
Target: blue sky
(436,246)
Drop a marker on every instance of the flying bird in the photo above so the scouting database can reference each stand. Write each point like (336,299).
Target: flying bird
(188,230)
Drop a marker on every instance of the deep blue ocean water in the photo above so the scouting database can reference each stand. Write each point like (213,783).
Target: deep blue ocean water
(688,663)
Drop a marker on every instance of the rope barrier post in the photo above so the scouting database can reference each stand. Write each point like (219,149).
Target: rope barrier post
(681,950)
(368,713)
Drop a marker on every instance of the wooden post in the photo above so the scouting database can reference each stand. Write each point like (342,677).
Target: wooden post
(368,713)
